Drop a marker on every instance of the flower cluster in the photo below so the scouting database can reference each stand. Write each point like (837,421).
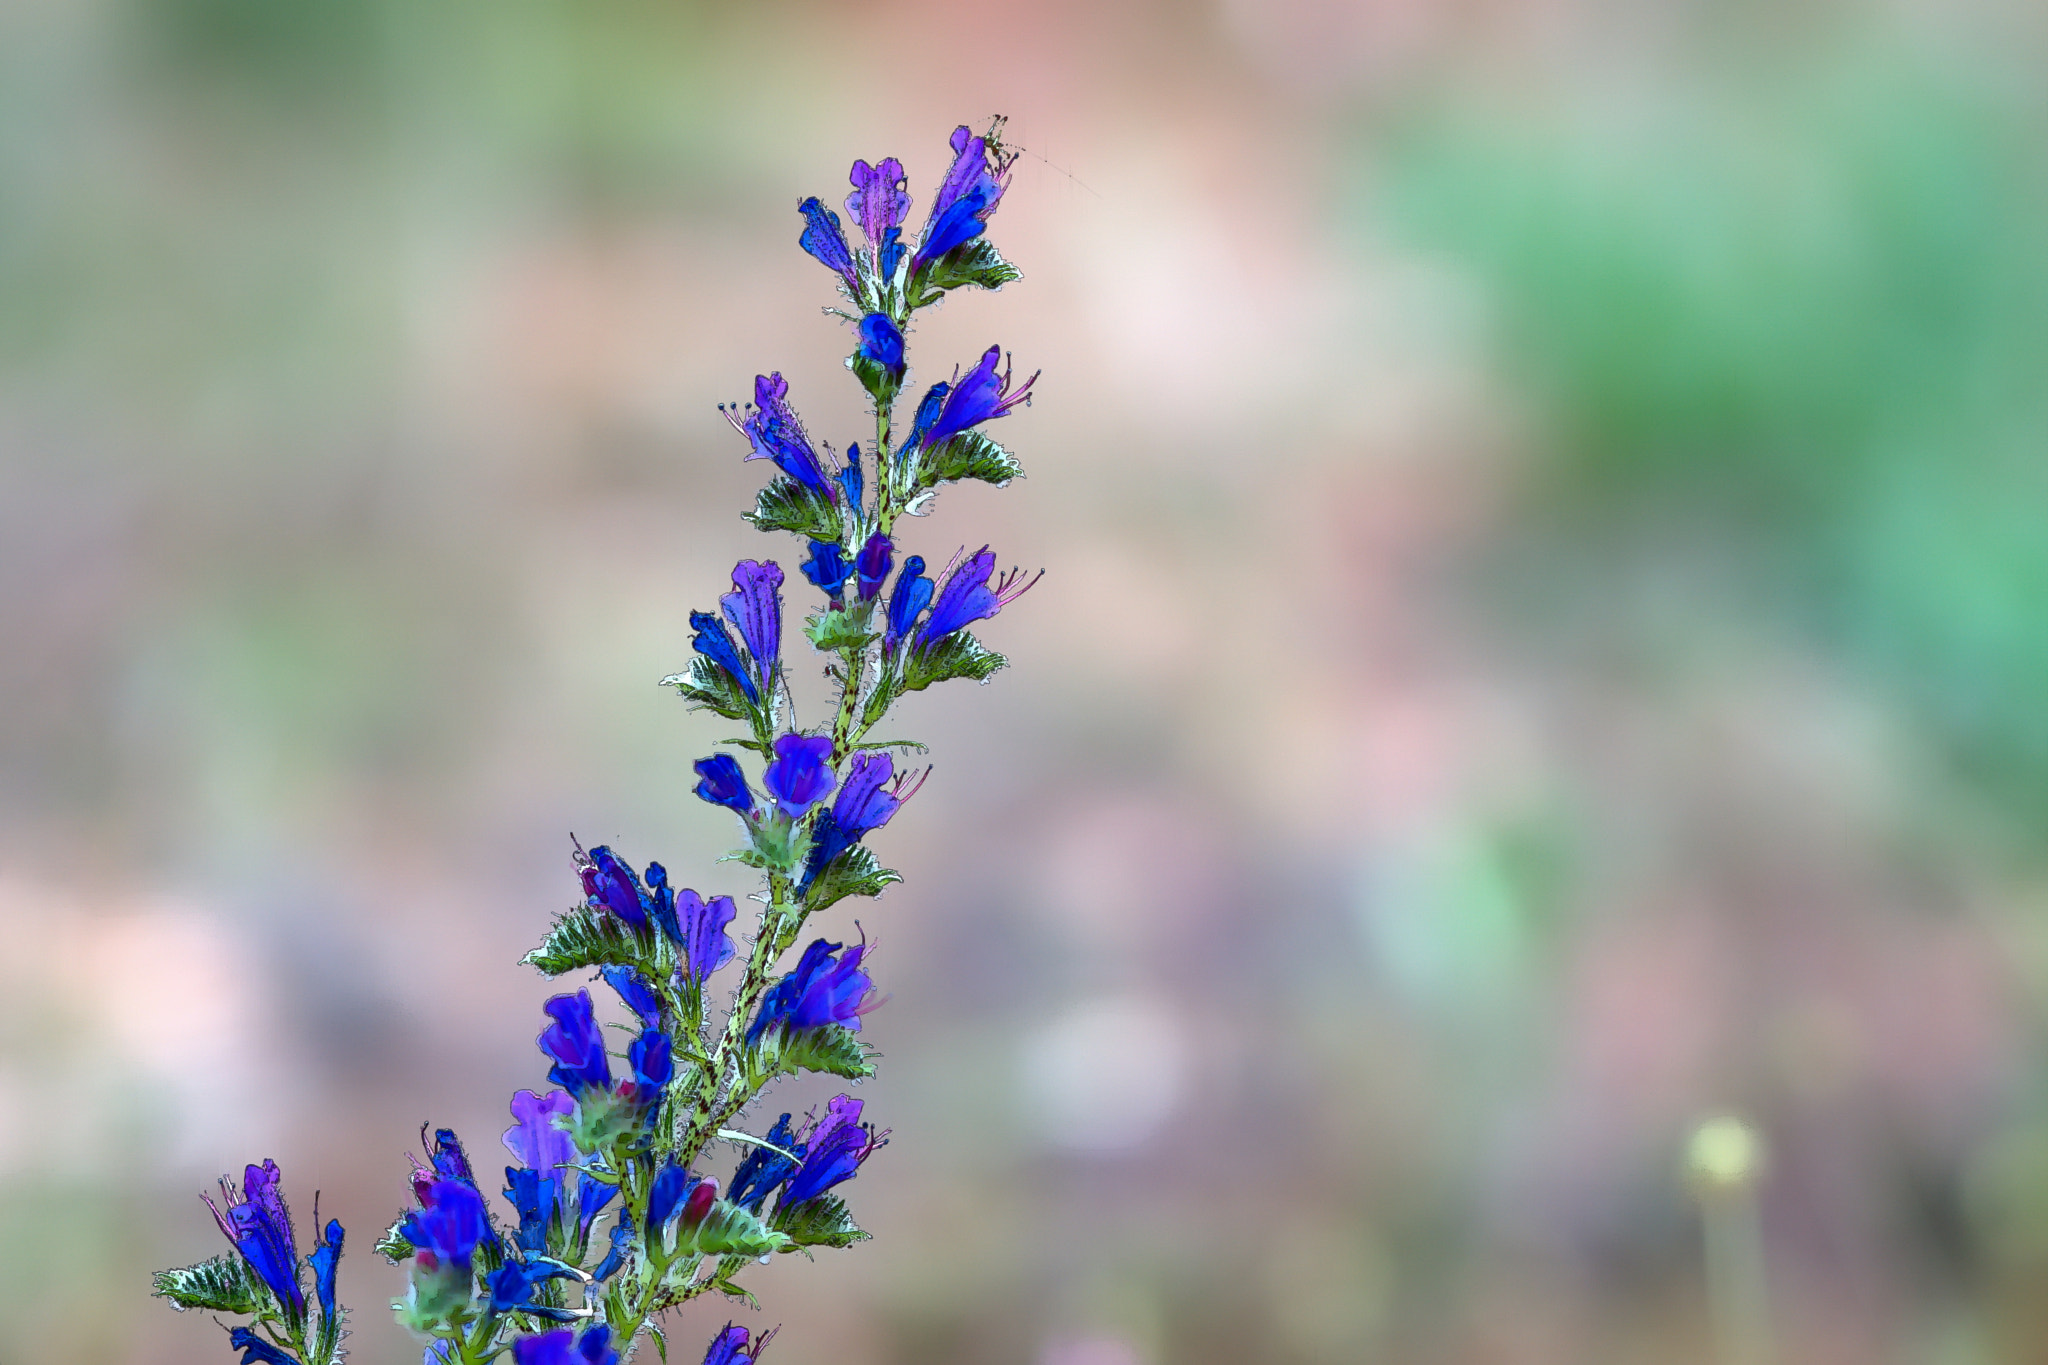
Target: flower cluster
(611,1214)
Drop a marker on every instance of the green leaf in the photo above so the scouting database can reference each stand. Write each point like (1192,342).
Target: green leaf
(729,1230)
(856,872)
(707,687)
(976,262)
(786,505)
(958,655)
(818,1222)
(585,937)
(970,455)
(393,1246)
(829,1048)
(834,630)
(221,1285)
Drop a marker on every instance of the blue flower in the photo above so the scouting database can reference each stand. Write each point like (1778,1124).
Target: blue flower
(260,1227)
(928,409)
(513,1283)
(800,777)
(882,343)
(564,1347)
(634,990)
(982,396)
(871,565)
(837,1147)
(828,567)
(967,196)
(862,805)
(714,642)
(772,428)
(912,593)
(755,607)
(823,239)
(820,991)
(449,1161)
(724,784)
(576,1045)
(707,945)
(255,1348)
(850,481)
(533,1194)
(622,1243)
(446,1230)
(878,202)
(968,597)
(652,1058)
(729,1347)
(763,1169)
(325,1258)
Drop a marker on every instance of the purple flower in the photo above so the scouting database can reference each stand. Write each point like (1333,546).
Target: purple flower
(564,1347)
(823,239)
(714,642)
(763,1169)
(533,1139)
(634,990)
(820,991)
(706,944)
(576,1045)
(729,1347)
(724,784)
(879,200)
(967,596)
(446,1229)
(755,607)
(449,1161)
(882,343)
(828,567)
(671,1185)
(260,1227)
(837,1147)
(871,566)
(981,397)
(609,884)
(771,426)
(862,805)
(799,777)
(967,196)
(909,597)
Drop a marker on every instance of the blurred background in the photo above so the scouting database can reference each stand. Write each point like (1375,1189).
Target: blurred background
(1543,642)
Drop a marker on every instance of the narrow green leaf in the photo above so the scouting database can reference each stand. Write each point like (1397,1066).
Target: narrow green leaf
(729,1230)
(584,937)
(707,687)
(786,505)
(976,262)
(958,655)
(970,455)
(818,1222)
(856,872)
(829,1048)
(221,1285)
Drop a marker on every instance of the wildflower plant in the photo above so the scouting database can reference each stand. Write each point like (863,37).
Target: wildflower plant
(611,1213)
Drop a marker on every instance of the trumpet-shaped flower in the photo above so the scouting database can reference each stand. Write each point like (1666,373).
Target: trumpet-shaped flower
(968,597)
(260,1226)
(723,784)
(822,990)
(799,776)
(772,428)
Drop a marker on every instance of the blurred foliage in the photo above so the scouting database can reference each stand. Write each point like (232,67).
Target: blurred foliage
(1783,339)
